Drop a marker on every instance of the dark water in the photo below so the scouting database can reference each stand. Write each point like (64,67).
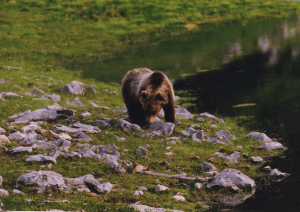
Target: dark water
(258,64)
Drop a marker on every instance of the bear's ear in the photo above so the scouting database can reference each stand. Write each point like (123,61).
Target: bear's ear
(160,97)
(144,94)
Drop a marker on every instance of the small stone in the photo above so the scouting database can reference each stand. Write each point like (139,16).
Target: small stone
(16,191)
(256,159)
(3,192)
(85,113)
(167,148)
(169,153)
(142,188)
(178,197)
(138,193)
(214,126)
(239,146)
(200,119)
(221,121)
(141,150)
(199,185)
(161,187)
(208,166)
(207,115)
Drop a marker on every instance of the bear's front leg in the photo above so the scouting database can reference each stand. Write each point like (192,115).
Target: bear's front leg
(169,110)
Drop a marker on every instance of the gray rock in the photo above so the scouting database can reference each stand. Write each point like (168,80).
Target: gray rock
(277,176)
(198,136)
(101,188)
(16,191)
(55,153)
(86,152)
(230,159)
(31,127)
(152,134)
(3,192)
(74,88)
(225,133)
(93,89)
(141,150)
(17,136)
(120,138)
(1,180)
(214,126)
(5,94)
(3,140)
(21,149)
(273,146)
(207,115)
(102,123)
(200,119)
(208,166)
(72,154)
(138,193)
(2,130)
(189,131)
(37,115)
(161,188)
(126,126)
(219,154)
(256,136)
(199,185)
(40,178)
(77,126)
(236,155)
(93,104)
(142,188)
(221,121)
(256,159)
(37,91)
(2,81)
(231,177)
(179,198)
(81,135)
(40,157)
(145,208)
(75,103)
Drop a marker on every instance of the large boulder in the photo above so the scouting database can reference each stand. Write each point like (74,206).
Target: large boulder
(256,136)
(74,87)
(231,178)
(41,178)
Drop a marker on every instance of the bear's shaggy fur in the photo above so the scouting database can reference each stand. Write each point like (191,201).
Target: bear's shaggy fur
(145,93)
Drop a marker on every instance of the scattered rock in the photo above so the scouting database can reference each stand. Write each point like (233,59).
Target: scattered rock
(101,188)
(200,119)
(221,121)
(138,193)
(273,146)
(169,153)
(208,167)
(256,159)
(81,136)
(256,136)
(161,187)
(16,191)
(3,140)
(207,115)
(40,157)
(3,192)
(142,188)
(141,150)
(225,133)
(126,126)
(74,87)
(102,123)
(179,197)
(93,89)
(40,178)
(167,128)
(145,208)
(75,103)
(277,176)
(199,185)
(120,138)
(231,177)
(21,149)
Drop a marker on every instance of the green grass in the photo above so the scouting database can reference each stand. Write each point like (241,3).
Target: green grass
(40,36)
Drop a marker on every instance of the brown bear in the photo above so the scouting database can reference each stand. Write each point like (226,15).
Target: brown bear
(145,93)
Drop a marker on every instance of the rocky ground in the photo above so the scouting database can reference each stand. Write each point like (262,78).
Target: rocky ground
(45,141)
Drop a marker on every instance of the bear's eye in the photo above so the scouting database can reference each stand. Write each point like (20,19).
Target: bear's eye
(144,94)
(159,97)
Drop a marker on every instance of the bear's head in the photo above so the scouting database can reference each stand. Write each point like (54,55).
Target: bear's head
(152,103)
(154,97)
